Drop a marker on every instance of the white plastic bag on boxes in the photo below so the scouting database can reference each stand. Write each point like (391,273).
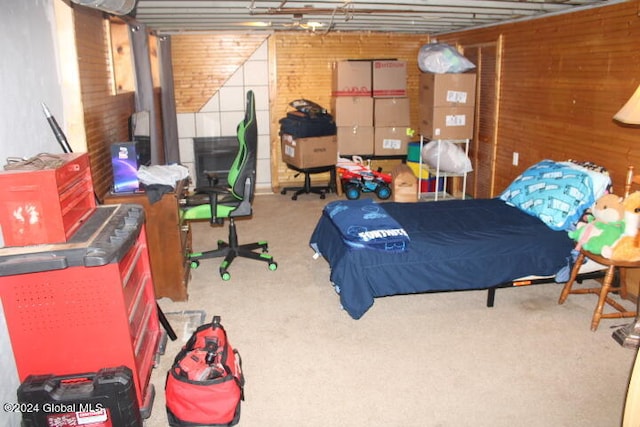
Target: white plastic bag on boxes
(451,157)
(442,58)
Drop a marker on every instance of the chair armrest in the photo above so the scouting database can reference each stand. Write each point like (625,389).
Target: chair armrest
(212,196)
(212,190)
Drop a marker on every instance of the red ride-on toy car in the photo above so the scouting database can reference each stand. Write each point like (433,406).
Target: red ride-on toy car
(357,179)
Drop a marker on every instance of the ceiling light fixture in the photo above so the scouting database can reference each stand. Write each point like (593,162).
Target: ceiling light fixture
(255,24)
(312,25)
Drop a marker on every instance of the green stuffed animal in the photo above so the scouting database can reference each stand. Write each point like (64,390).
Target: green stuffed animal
(603,228)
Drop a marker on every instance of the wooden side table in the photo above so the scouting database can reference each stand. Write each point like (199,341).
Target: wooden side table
(602,291)
(169,240)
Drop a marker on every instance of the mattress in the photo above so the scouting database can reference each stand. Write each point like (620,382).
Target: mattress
(454,245)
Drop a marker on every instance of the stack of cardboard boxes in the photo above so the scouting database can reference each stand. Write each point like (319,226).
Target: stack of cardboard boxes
(371,108)
(447,105)
(447,109)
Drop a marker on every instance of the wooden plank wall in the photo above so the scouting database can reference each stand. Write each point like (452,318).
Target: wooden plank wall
(202,63)
(303,64)
(563,79)
(106,115)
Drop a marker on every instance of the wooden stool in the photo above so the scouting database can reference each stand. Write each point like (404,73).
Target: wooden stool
(603,291)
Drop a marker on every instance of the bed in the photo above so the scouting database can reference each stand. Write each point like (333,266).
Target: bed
(456,245)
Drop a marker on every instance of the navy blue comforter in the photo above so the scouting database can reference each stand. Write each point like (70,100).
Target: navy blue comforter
(455,245)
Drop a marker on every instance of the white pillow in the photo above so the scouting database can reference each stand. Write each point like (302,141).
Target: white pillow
(452,157)
(601,180)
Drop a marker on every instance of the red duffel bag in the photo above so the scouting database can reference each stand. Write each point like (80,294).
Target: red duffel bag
(205,384)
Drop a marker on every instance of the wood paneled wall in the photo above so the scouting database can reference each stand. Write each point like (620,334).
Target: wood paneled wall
(563,79)
(106,115)
(202,63)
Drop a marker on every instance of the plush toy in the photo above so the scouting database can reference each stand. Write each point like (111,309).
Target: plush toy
(604,227)
(632,214)
(627,247)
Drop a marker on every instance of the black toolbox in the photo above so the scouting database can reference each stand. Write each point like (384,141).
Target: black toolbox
(106,398)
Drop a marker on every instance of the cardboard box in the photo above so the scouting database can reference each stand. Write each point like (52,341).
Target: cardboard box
(352,110)
(404,184)
(383,165)
(632,280)
(305,153)
(389,79)
(447,90)
(391,141)
(447,122)
(351,78)
(391,112)
(354,140)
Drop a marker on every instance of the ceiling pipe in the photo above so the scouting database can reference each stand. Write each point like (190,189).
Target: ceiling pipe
(115,7)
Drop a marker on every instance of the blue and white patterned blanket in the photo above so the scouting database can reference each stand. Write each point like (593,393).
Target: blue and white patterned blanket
(364,224)
(555,192)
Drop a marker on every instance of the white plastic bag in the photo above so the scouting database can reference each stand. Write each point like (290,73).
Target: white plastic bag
(452,158)
(162,174)
(442,58)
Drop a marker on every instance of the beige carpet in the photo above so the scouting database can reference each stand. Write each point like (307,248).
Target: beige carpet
(419,360)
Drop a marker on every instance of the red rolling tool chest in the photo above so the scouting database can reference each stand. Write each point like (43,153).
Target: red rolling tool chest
(86,304)
(46,205)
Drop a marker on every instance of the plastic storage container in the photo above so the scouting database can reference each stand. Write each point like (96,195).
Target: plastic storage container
(104,398)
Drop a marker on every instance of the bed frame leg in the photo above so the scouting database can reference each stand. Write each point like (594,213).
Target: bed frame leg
(491,296)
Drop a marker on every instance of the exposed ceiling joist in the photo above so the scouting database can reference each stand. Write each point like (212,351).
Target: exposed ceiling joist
(409,16)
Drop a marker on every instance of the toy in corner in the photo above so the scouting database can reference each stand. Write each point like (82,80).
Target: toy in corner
(612,228)
(357,179)
(604,226)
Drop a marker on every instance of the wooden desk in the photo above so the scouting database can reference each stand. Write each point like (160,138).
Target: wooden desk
(169,240)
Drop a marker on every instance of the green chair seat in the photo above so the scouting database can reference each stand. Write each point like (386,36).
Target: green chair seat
(234,203)
(203,212)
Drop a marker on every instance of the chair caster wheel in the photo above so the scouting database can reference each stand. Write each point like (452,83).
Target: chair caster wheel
(225,275)
(283,191)
(194,264)
(322,196)
(294,197)
(273,266)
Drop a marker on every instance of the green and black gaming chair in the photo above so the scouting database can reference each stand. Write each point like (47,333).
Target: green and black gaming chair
(233,202)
